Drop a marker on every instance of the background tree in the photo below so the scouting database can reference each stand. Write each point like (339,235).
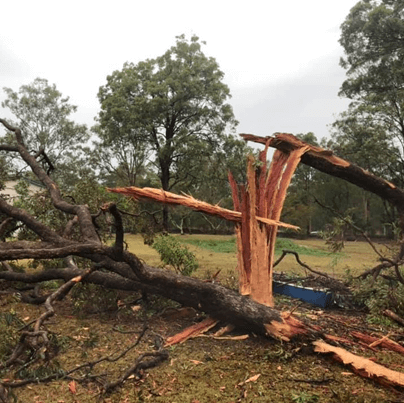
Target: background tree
(371,132)
(120,162)
(372,37)
(176,103)
(43,114)
(299,207)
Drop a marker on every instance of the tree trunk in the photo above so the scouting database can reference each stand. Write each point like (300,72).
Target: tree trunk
(219,302)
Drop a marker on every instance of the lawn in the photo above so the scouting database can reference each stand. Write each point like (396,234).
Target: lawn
(216,252)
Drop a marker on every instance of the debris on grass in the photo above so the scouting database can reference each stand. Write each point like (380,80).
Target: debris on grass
(192,331)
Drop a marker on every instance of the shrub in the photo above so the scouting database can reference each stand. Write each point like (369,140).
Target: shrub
(175,254)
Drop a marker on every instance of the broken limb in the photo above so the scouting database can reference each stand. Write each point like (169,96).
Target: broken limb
(159,195)
(384,342)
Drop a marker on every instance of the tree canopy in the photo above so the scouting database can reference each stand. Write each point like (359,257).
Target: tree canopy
(175,103)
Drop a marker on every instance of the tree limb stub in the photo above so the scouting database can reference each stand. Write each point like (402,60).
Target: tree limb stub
(162,196)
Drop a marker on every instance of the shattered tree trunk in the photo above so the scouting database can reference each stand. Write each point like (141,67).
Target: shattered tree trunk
(263,196)
(125,271)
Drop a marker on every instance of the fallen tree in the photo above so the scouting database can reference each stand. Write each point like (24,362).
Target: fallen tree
(125,270)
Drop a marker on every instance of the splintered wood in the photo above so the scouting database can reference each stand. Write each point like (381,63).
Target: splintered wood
(159,195)
(192,331)
(263,196)
(362,366)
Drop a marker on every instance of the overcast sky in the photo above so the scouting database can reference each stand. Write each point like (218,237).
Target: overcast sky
(280,58)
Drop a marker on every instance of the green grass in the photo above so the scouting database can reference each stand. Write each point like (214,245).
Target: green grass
(216,246)
(229,246)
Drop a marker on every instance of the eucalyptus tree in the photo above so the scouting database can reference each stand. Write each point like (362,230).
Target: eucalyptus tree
(175,103)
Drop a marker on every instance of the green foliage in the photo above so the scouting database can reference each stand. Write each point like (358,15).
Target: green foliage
(379,295)
(86,192)
(9,325)
(176,255)
(371,131)
(304,397)
(334,234)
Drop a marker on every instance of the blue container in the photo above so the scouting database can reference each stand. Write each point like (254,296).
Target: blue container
(324,299)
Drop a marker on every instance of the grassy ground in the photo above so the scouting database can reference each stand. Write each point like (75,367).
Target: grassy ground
(204,369)
(219,251)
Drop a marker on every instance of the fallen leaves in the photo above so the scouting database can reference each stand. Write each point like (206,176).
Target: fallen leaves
(252,379)
(73,387)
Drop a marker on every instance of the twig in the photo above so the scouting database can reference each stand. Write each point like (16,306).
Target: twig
(140,365)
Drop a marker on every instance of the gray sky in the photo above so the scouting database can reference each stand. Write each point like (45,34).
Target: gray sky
(280,58)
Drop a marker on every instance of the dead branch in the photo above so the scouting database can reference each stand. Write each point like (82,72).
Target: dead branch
(140,365)
(355,227)
(35,339)
(285,252)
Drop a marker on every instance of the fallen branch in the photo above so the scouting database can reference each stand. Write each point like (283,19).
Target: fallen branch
(362,366)
(394,316)
(384,342)
(33,340)
(292,252)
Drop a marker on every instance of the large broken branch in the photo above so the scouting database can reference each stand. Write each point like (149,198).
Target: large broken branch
(161,196)
(325,161)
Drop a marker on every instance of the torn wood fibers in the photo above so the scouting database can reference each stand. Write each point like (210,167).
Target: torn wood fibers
(258,206)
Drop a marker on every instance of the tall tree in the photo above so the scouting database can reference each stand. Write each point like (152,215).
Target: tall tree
(176,103)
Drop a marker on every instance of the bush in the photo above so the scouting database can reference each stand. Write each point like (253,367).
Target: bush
(175,254)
